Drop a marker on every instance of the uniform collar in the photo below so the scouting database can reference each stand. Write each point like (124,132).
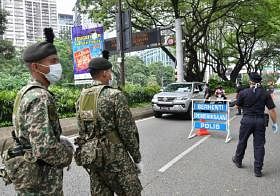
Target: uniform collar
(34,82)
(96,83)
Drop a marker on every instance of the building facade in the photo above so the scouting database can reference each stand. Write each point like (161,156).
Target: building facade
(155,55)
(28,18)
(65,24)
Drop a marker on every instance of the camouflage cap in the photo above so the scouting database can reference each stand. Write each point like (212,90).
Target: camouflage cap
(99,63)
(255,77)
(40,50)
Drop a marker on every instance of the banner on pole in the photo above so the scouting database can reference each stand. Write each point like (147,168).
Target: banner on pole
(86,44)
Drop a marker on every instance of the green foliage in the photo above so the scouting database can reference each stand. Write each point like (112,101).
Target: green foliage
(228,86)
(66,97)
(3,20)
(138,94)
(136,72)
(6,106)
(64,50)
(13,82)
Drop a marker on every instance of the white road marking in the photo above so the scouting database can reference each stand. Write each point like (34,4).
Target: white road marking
(177,158)
(174,160)
(180,156)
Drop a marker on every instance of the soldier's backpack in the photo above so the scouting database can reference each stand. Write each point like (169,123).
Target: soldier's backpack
(20,166)
(93,146)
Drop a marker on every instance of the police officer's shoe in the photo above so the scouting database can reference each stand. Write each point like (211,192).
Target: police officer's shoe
(237,163)
(258,173)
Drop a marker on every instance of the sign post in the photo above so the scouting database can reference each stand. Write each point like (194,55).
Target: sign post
(215,117)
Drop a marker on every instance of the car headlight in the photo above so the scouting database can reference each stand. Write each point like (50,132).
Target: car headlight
(154,99)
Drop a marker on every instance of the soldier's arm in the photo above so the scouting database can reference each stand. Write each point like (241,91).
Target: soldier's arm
(127,129)
(81,129)
(45,143)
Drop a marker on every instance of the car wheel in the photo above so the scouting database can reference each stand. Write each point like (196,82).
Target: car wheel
(157,114)
(189,113)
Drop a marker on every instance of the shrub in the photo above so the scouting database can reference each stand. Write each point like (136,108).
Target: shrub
(138,94)
(66,97)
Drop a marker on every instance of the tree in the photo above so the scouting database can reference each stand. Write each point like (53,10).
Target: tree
(64,50)
(163,74)
(134,65)
(198,16)
(244,39)
(3,21)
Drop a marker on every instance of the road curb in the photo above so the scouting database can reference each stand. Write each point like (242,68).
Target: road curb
(69,125)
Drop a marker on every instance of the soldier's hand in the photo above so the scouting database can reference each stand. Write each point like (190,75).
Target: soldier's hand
(139,167)
(64,140)
(274,127)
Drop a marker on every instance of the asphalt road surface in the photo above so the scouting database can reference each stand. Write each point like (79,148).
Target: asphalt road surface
(174,165)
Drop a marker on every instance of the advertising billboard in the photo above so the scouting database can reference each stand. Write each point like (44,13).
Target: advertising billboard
(86,44)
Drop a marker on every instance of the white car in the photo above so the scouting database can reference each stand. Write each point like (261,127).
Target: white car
(176,98)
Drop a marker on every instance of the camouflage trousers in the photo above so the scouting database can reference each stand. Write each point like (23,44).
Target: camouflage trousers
(51,184)
(26,193)
(104,183)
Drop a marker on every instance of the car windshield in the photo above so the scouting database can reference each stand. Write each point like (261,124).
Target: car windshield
(178,88)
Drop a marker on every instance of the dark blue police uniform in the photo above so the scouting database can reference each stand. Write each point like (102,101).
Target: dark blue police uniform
(253,102)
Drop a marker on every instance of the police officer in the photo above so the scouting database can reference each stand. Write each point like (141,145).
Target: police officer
(104,116)
(253,101)
(37,168)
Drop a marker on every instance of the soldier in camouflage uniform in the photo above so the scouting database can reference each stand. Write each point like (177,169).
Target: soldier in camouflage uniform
(116,171)
(40,170)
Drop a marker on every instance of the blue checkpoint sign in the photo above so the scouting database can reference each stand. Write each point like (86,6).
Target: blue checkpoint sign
(210,126)
(210,107)
(210,116)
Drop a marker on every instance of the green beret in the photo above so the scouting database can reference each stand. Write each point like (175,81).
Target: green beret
(41,50)
(255,77)
(99,63)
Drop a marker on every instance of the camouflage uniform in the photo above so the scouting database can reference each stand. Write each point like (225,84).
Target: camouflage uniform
(120,174)
(36,123)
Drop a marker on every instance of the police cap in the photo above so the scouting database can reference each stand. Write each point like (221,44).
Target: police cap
(255,77)
(40,50)
(99,63)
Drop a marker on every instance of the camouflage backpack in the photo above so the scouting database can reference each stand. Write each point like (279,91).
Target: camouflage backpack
(93,147)
(20,166)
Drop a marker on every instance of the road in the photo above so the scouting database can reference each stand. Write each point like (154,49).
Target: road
(200,166)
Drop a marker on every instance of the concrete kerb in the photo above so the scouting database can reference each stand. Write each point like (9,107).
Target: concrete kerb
(69,125)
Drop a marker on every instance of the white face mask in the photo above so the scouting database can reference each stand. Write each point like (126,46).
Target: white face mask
(55,73)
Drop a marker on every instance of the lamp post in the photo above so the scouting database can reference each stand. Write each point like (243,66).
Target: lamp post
(121,52)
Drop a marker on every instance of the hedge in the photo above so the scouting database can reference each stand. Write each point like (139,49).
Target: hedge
(66,98)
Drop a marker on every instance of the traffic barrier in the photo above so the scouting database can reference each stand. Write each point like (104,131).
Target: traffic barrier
(202,131)
(210,115)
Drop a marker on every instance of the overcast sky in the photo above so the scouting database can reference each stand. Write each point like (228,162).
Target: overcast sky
(65,6)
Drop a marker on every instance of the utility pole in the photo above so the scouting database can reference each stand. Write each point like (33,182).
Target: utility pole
(1,10)
(121,52)
(179,50)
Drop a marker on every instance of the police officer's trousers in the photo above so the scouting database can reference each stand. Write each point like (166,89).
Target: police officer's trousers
(252,125)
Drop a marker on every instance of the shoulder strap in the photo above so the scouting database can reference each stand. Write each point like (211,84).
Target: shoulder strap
(18,99)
